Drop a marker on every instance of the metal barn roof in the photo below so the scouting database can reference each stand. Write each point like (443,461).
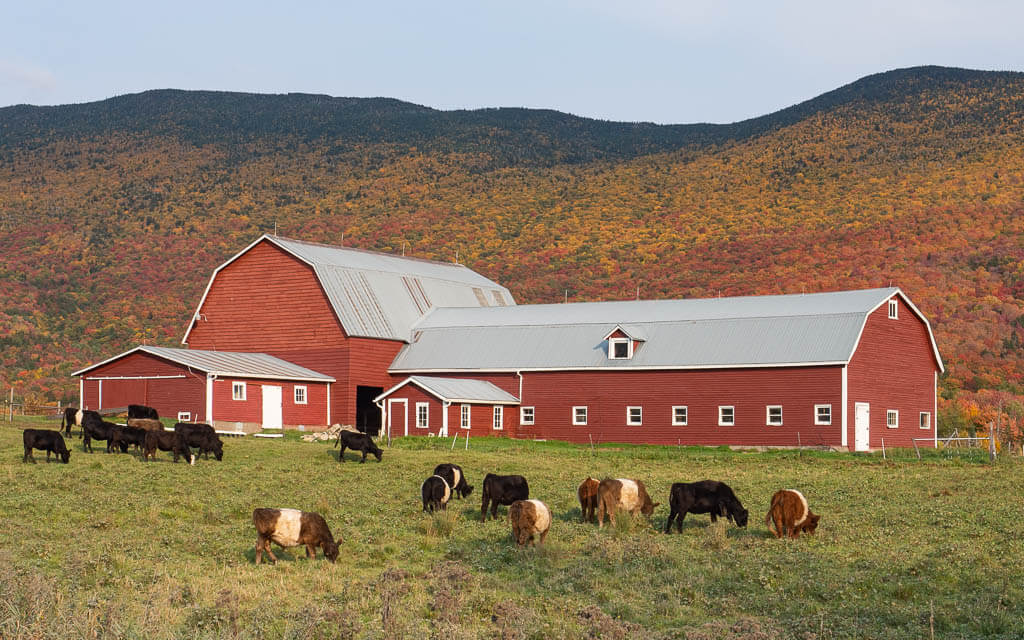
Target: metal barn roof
(456,390)
(227,364)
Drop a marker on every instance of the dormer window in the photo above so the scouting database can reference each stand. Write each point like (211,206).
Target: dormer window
(620,348)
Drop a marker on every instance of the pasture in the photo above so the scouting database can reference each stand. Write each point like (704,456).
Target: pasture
(111,547)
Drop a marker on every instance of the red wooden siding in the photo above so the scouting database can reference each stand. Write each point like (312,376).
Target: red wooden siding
(167,395)
(894,367)
(481,418)
(250,410)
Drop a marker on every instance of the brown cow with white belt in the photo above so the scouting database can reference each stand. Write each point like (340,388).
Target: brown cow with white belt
(622,493)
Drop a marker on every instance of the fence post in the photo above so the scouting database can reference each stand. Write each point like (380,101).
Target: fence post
(10,407)
(883,448)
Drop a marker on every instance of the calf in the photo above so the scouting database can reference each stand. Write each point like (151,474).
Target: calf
(291,528)
(706,496)
(148,424)
(623,493)
(790,514)
(101,430)
(45,440)
(357,442)
(124,436)
(435,491)
(164,441)
(502,490)
(529,518)
(198,434)
(587,493)
(142,411)
(452,473)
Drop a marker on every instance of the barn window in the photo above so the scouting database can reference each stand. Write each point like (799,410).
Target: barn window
(926,420)
(822,414)
(893,309)
(238,391)
(184,416)
(300,395)
(499,418)
(464,414)
(774,417)
(422,415)
(634,416)
(892,418)
(726,416)
(620,348)
(679,415)
(579,415)
(526,415)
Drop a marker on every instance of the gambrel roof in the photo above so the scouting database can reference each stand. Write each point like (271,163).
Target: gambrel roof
(377,295)
(751,331)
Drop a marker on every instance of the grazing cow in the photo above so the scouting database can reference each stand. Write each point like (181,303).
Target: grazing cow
(623,493)
(291,528)
(452,473)
(101,430)
(44,440)
(529,518)
(502,490)
(73,416)
(435,491)
(587,493)
(165,441)
(148,424)
(706,496)
(198,434)
(124,436)
(790,514)
(142,411)
(357,442)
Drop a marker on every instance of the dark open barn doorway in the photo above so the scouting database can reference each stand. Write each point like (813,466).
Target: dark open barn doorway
(367,413)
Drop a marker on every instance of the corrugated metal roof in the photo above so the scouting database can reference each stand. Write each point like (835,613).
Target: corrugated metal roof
(459,390)
(228,363)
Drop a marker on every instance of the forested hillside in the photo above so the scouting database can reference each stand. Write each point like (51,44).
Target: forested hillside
(114,214)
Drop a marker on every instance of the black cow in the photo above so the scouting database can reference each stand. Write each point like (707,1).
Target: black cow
(44,440)
(452,474)
(502,490)
(357,442)
(198,434)
(435,491)
(76,417)
(142,411)
(124,436)
(165,441)
(98,430)
(706,496)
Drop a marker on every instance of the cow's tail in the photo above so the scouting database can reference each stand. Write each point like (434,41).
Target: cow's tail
(338,441)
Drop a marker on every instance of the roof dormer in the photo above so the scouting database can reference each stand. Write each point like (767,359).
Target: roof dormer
(622,342)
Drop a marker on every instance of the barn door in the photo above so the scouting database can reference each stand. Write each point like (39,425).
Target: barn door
(272,418)
(398,423)
(862,432)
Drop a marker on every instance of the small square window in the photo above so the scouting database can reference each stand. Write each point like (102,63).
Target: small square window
(579,415)
(893,309)
(499,418)
(822,414)
(679,416)
(620,348)
(774,417)
(726,416)
(892,418)
(238,391)
(465,411)
(300,395)
(184,416)
(926,420)
(634,416)
(526,415)
(422,415)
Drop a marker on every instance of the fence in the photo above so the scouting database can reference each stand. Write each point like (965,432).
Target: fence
(9,408)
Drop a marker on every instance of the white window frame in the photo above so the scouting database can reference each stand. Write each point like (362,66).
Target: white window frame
(523,420)
(184,416)
(611,348)
(299,388)
(721,415)
(575,415)
(686,415)
(894,309)
(924,420)
(498,418)
(465,416)
(817,418)
(629,416)
(892,418)
(237,390)
(768,415)
(426,415)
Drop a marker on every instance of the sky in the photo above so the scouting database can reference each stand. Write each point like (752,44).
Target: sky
(661,61)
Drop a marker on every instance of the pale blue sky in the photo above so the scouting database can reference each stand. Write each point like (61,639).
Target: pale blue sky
(650,60)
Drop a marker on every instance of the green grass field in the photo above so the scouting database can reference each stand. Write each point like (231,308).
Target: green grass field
(109,546)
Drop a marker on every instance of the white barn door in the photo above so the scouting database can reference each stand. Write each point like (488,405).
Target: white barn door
(272,418)
(862,431)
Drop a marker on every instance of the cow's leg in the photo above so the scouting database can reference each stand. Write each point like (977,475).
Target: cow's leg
(777,520)
(483,509)
(673,512)
(47,455)
(311,551)
(365,451)
(259,549)
(600,513)
(494,509)
(28,455)
(341,455)
(542,536)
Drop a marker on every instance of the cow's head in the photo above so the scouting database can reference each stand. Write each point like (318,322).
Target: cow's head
(377,452)
(739,515)
(331,550)
(218,450)
(811,523)
(648,507)
(65,455)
